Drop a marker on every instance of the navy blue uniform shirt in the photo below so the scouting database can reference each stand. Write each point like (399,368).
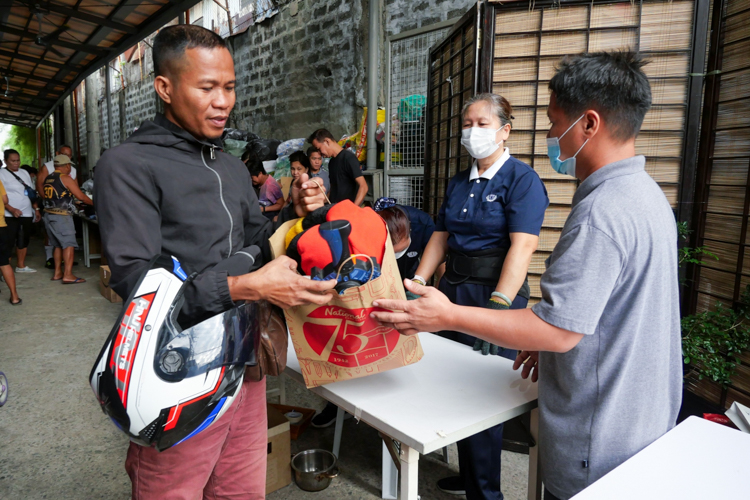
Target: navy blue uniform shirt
(422,227)
(480,212)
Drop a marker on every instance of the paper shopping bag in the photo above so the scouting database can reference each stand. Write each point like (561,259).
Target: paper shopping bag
(339,341)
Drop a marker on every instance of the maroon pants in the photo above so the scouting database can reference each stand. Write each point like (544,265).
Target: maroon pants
(227,460)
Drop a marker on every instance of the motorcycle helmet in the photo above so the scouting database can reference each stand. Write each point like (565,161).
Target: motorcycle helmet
(162,384)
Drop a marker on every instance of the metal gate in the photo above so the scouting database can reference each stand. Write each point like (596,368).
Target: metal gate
(408,79)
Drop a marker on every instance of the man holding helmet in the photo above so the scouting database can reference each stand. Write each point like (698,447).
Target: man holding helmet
(169,190)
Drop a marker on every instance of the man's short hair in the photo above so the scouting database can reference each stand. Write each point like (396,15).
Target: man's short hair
(257,169)
(8,152)
(311,150)
(398,223)
(320,135)
(31,170)
(612,83)
(171,43)
(62,146)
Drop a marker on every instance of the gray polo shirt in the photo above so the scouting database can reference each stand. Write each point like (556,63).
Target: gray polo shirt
(613,278)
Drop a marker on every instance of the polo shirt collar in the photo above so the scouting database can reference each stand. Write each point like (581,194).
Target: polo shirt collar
(490,172)
(628,166)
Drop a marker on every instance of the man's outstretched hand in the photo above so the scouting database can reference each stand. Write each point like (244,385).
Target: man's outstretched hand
(279,283)
(307,195)
(426,314)
(530,362)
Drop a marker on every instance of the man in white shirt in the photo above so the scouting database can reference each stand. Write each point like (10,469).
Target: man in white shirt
(47,169)
(19,212)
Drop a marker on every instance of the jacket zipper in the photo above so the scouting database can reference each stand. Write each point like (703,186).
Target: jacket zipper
(221,196)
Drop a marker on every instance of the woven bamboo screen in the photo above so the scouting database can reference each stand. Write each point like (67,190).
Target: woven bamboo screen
(452,81)
(725,161)
(531,41)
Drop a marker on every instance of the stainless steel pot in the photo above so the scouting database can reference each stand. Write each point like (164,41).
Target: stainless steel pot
(314,469)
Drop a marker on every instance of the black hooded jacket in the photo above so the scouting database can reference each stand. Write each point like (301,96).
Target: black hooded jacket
(164,192)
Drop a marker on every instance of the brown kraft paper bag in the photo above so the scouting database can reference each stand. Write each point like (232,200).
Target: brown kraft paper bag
(339,341)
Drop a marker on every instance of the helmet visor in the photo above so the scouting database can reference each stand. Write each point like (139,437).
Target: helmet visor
(227,339)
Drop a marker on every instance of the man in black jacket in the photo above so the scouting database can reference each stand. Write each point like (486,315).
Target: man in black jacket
(169,189)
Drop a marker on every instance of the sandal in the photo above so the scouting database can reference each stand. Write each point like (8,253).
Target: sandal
(78,280)
(20,301)
(55,279)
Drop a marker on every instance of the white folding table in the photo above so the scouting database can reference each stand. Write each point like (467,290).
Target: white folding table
(452,393)
(697,459)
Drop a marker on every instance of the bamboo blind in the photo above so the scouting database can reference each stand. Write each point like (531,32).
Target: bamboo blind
(452,70)
(723,222)
(529,43)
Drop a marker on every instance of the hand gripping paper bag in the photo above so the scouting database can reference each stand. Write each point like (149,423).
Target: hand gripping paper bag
(339,341)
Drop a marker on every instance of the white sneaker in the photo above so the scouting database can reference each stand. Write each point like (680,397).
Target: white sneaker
(26,269)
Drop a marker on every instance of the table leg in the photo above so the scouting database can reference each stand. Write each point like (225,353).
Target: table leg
(86,259)
(337,432)
(535,479)
(390,475)
(409,472)
(282,388)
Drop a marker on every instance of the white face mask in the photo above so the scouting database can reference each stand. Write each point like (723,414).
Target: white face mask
(480,142)
(403,252)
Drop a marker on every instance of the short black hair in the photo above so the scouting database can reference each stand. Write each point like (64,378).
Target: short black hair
(311,150)
(171,43)
(301,158)
(320,135)
(612,83)
(30,169)
(8,152)
(257,169)
(64,146)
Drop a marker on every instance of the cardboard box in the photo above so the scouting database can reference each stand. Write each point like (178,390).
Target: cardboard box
(299,427)
(108,293)
(339,341)
(104,275)
(278,468)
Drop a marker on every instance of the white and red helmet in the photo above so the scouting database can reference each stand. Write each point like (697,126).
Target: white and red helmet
(161,384)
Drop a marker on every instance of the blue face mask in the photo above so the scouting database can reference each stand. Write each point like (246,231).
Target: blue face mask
(567,166)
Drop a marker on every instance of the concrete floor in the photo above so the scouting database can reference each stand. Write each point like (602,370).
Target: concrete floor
(55,442)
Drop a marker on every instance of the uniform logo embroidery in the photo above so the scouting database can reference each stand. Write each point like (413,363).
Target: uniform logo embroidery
(411,255)
(491,197)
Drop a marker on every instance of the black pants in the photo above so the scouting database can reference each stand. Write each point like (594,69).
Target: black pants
(479,459)
(5,248)
(19,229)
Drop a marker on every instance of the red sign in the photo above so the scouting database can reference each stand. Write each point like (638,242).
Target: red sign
(349,337)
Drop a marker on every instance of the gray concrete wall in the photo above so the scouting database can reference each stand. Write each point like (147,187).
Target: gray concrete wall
(300,71)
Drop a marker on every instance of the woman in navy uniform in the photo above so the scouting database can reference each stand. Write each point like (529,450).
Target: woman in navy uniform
(488,227)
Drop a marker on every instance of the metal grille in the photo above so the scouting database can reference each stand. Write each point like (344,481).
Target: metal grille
(453,67)
(407,189)
(408,94)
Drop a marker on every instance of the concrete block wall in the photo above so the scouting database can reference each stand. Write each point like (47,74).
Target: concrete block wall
(302,69)
(299,70)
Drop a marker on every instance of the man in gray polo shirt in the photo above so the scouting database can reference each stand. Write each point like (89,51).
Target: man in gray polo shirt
(608,325)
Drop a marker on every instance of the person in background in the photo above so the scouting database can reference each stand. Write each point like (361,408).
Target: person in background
(47,169)
(298,164)
(59,207)
(604,341)
(316,167)
(6,249)
(20,212)
(32,173)
(489,227)
(269,196)
(414,229)
(347,181)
